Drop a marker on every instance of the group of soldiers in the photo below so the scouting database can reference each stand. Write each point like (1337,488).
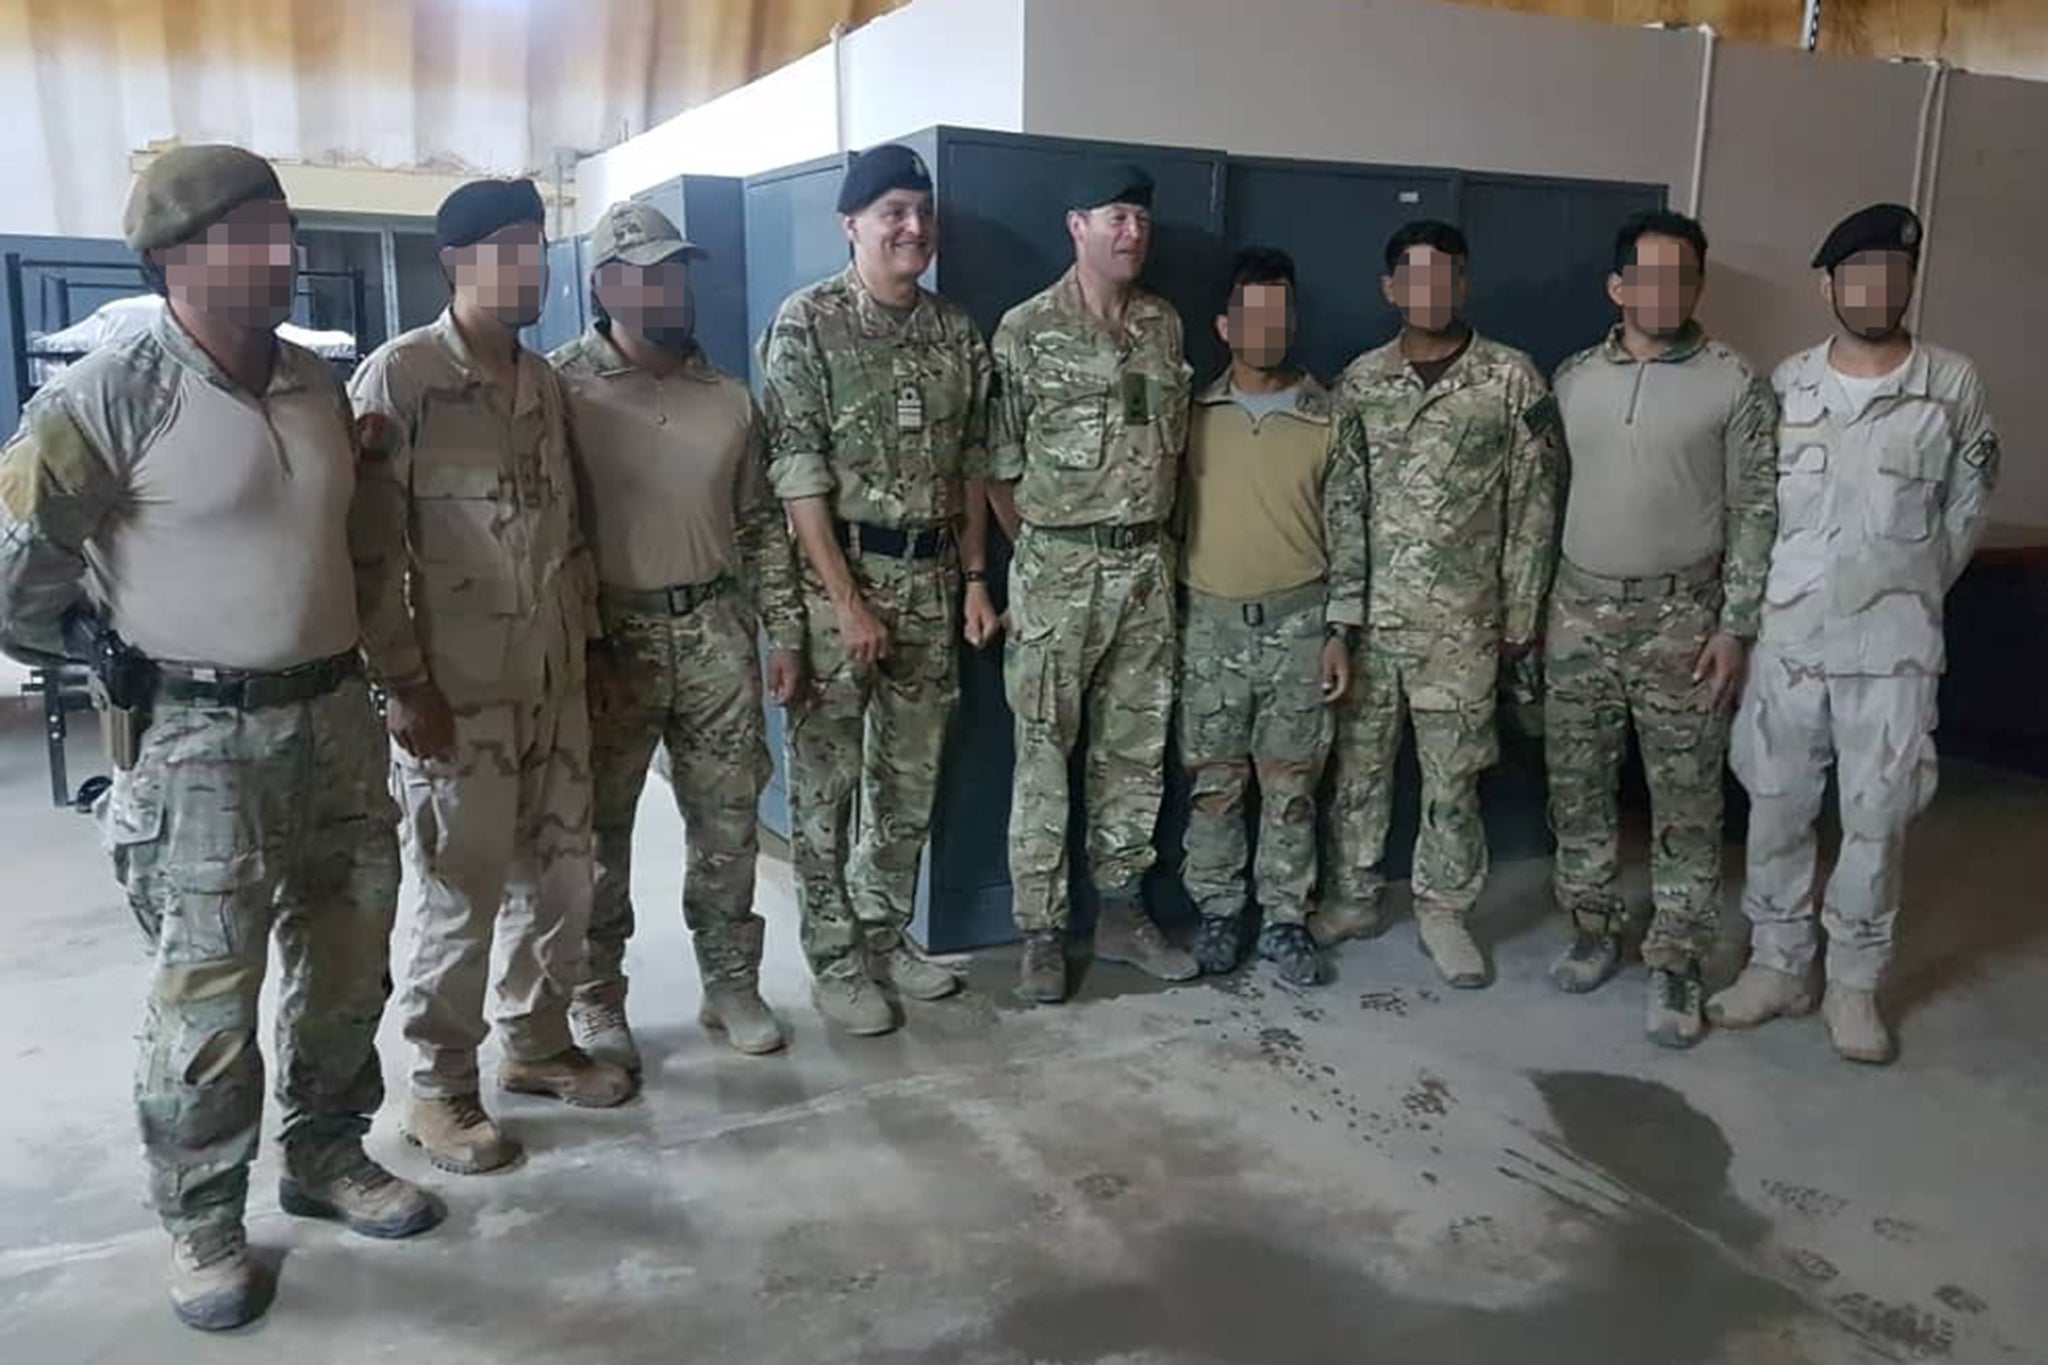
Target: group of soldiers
(551,568)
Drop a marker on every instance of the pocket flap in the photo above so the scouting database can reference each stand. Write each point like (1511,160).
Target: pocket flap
(133,810)
(1806,459)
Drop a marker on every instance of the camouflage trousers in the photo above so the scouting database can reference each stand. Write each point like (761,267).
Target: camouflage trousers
(1445,682)
(864,755)
(234,828)
(1251,700)
(1611,660)
(1092,636)
(499,835)
(690,682)
(1878,734)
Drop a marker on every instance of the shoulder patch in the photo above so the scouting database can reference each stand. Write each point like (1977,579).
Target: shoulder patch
(1984,455)
(1542,417)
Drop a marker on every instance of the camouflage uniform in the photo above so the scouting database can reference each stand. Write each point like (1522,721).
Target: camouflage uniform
(687,574)
(1880,504)
(1091,425)
(471,524)
(1462,528)
(196,515)
(1251,670)
(885,415)
(1624,639)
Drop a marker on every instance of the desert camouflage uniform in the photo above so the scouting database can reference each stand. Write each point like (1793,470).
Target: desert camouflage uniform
(1251,685)
(1092,426)
(237,823)
(1462,530)
(1879,509)
(685,672)
(472,521)
(885,415)
(1621,650)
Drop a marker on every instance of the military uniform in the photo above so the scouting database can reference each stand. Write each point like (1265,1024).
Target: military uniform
(1881,499)
(1667,537)
(1090,424)
(1461,522)
(472,519)
(1274,556)
(207,526)
(884,413)
(692,553)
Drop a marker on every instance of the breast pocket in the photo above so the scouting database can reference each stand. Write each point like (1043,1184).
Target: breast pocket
(1072,428)
(1906,499)
(457,515)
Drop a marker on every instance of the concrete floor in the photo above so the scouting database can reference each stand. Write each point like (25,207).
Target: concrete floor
(1233,1174)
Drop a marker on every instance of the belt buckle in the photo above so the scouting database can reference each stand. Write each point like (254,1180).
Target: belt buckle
(678,600)
(1255,613)
(1119,537)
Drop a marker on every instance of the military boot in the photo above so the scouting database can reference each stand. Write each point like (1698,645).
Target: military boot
(1675,1016)
(1220,946)
(571,1076)
(1125,933)
(1289,948)
(349,1188)
(1448,943)
(599,1026)
(1358,917)
(215,1287)
(844,994)
(1854,1025)
(1758,996)
(458,1136)
(914,976)
(736,1009)
(1042,972)
(1593,956)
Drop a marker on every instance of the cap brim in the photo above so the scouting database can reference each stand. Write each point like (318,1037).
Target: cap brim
(654,253)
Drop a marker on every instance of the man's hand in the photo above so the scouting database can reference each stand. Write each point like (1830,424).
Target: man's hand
(785,676)
(602,683)
(1336,671)
(1513,650)
(981,622)
(419,718)
(1723,664)
(861,632)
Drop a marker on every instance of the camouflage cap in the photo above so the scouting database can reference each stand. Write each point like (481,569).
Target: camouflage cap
(638,234)
(189,189)
(1881,227)
(1098,185)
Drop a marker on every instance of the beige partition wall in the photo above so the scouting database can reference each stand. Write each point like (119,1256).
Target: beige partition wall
(1795,143)
(1987,268)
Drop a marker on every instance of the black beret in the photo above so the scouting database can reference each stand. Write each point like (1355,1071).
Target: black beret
(878,170)
(1116,183)
(1881,227)
(481,207)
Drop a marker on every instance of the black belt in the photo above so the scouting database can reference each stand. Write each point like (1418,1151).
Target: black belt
(244,691)
(680,600)
(1105,537)
(892,542)
(1649,588)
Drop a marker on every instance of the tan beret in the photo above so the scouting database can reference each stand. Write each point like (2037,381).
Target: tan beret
(189,189)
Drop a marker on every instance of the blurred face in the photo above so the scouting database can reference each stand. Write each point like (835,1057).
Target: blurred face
(1870,291)
(1660,292)
(896,236)
(1259,328)
(651,301)
(1112,242)
(1429,287)
(505,275)
(242,269)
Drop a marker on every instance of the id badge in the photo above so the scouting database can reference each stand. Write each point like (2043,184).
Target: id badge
(909,409)
(1137,400)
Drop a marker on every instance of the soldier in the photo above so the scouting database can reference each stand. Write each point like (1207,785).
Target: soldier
(1667,537)
(1459,438)
(175,508)
(692,555)
(480,639)
(1274,567)
(1089,425)
(876,394)
(1886,463)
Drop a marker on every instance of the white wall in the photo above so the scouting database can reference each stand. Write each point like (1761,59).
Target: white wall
(959,62)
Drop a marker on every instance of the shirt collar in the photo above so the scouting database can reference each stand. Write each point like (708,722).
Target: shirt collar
(1311,400)
(1068,298)
(1689,343)
(877,319)
(285,376)
(1914,379)
(609,362)
(450,336)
